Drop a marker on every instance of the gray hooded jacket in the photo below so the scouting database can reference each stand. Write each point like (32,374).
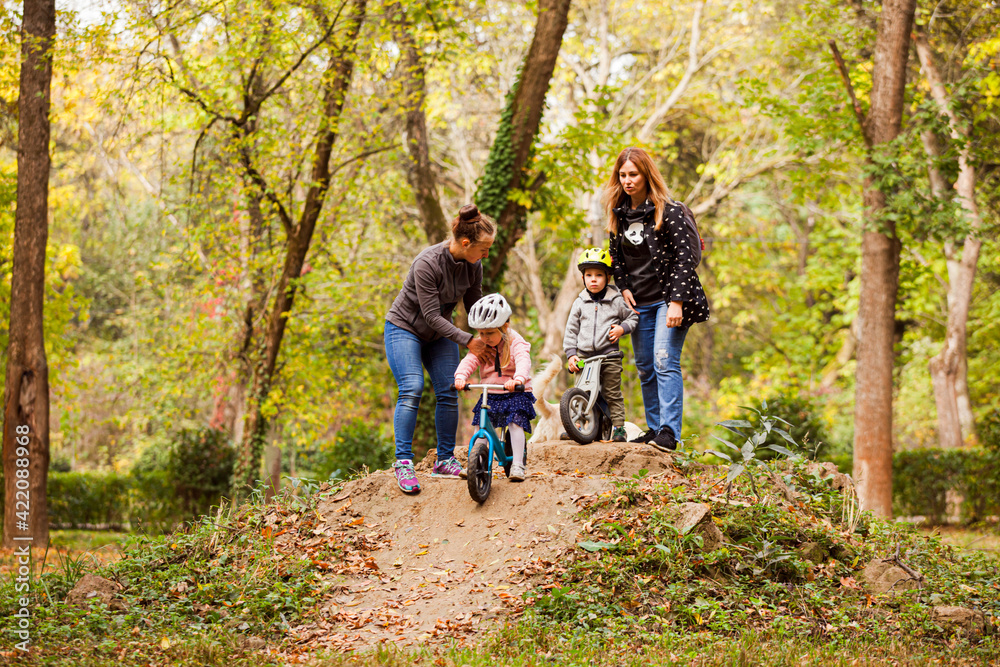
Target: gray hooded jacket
(590,321)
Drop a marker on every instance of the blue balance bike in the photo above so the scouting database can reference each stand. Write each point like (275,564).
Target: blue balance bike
(485,445)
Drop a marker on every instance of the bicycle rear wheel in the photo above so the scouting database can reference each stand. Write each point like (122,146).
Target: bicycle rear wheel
(480,476)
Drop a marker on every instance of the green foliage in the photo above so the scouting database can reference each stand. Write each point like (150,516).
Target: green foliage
(197,463)
(806,424)
(988,428)
(81,499)
(780,565)
(754,444)
(168,486)
(199,586)
(922,479)
(494,185)
(357,445)
(144,501)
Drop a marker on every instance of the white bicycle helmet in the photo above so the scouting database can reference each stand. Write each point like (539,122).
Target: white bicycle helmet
(489,312)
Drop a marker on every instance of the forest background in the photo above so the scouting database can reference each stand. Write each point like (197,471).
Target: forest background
(165,251)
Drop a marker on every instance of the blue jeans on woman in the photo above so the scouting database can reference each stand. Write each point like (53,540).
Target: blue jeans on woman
(408,355)
(658,359)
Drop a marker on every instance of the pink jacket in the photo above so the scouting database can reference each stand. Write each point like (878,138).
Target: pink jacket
(519,365)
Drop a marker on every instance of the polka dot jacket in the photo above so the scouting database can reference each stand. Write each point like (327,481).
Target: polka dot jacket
(672,257)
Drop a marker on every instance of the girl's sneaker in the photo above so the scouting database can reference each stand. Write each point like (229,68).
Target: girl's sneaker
(517,472)
(449,468)
(406,477)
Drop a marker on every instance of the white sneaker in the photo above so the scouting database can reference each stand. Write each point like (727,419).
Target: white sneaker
(517,472)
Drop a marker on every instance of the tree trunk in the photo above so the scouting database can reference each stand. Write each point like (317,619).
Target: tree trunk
(948,366)
(511,149)
(419,171)
(880,248)
(26,391)
(298,239)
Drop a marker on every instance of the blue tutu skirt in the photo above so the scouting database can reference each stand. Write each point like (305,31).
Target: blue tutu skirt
(517,408)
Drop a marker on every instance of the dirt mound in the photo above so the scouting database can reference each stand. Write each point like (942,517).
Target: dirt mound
(409,569)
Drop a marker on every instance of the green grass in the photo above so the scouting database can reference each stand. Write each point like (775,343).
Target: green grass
(984,540)
(87,540)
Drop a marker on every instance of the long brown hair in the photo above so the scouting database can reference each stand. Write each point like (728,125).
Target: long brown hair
(656,189)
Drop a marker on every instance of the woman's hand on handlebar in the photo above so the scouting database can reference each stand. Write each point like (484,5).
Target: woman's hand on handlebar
(511,385)
(460,383)
(572,364)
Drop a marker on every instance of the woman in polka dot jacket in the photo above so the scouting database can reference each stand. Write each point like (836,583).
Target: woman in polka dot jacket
(655,269)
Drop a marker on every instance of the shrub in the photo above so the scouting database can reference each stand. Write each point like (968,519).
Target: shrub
(922,479)
(82,499)
(187,475)
(989,430)
(201,465)
(357,444)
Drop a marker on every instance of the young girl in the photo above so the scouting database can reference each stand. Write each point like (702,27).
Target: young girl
(505,361)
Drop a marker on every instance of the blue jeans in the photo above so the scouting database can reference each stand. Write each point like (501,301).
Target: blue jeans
(658,359)
(408,355)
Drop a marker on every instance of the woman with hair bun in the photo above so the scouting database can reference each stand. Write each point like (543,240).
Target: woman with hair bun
(419,333)
(654,265)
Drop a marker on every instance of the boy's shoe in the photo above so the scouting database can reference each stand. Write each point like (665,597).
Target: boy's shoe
(664,440)
(449,468)
(517,472)
(618,434)
(646,437)
(406,477)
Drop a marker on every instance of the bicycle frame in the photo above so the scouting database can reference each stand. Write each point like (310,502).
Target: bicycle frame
(589,377)
(487,430)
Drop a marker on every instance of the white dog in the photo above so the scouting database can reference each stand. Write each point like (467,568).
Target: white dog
(549,425)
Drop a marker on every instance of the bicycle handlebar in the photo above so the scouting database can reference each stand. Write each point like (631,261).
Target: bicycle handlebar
(517,387)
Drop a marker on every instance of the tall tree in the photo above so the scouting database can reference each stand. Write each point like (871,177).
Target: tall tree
(26,391)
(258,56)
(299,233)
(419,170)
(511,151)
(948,367)
(880,249)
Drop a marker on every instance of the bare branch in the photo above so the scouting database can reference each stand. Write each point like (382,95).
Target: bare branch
(855,105)
(654,119)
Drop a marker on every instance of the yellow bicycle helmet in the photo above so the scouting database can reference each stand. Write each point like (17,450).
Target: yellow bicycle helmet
(594,258)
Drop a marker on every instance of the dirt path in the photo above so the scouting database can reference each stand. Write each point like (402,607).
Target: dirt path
(412,569)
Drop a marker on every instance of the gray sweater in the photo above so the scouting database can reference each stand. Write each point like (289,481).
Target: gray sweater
(590,321)
(433,287)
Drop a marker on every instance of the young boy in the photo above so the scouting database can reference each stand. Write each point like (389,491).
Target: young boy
(598,318)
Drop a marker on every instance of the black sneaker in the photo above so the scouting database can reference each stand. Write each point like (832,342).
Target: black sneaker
(618,434)
(645,437)
(664,440)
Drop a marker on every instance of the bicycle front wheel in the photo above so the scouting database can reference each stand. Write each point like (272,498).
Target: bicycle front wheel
(480,476)
(581,424)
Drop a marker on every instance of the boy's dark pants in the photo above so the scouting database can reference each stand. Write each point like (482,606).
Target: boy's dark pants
(611,388)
